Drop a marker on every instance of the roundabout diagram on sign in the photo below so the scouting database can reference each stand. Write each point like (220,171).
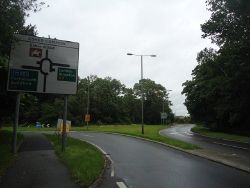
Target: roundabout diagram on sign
(46,66)
(43,65)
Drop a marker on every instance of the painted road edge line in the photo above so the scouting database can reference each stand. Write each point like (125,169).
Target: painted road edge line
(112,174)
(121,185)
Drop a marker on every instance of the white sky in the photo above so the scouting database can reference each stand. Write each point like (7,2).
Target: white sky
(108,30)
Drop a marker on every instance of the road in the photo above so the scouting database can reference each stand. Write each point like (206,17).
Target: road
(230,151)
(143,164)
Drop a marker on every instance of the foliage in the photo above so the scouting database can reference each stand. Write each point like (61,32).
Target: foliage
(218,94)
(7,158)
(110,102)
(155,97)
(182,119)
(12,20)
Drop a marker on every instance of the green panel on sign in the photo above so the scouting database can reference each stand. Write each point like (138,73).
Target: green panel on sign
(65,74)
(24,80)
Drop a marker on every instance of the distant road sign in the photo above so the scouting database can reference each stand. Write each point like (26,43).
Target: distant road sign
(87,118)
(164,115)
(59,126)
(43,65)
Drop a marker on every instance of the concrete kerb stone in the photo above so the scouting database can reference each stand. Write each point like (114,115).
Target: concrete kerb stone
(183,150)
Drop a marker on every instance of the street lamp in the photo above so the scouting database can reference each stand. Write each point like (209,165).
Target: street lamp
(142,96)
(88,106)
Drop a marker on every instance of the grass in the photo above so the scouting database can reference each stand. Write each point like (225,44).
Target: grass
(150,132)
(6,156)
(219,135)
(32,129)
(84,161)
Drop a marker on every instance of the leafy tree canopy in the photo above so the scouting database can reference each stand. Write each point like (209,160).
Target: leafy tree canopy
(218,94)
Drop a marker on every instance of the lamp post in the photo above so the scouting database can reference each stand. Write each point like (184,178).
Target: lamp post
(142,95)
(88,105)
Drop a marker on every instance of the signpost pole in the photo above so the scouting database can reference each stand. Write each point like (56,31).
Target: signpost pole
(88,105)
(15,125)
(64,123)
(142,98)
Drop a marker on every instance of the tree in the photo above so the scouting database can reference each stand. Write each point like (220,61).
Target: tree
(12,19)
(218,93)
(105,99)
(154,97)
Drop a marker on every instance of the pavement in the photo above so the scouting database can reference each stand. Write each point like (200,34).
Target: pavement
(37,166)
(234,154)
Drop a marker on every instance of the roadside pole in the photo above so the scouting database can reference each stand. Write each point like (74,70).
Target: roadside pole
(88,105)
(142,98)
(64,123)
(15,125)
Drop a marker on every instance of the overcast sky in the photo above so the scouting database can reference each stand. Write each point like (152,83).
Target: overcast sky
(108,30)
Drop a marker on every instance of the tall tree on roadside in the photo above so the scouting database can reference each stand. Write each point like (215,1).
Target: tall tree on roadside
(218,93)
(12,19)
(154,97)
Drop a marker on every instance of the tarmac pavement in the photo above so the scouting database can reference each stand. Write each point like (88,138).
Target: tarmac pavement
(37,166)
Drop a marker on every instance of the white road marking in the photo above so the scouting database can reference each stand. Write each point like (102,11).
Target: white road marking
(88,135)
(121,185)
(238,147)
(180,134)
(106,154)
(112,166)
(189,133)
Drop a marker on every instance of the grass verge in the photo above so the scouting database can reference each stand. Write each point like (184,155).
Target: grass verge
(31,129)
(150,132)
(220,135)
(84,161)
(6,156)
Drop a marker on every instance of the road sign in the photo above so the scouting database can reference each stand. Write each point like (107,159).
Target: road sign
(59,126)
(87,118)
(43,65)
(164,115)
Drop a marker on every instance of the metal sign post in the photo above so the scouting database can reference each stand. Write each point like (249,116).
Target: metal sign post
(14,136)
(87,117)
(164,117)
(64,123)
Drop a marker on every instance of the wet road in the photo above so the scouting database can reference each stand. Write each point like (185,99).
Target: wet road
(232,151)
(144,164)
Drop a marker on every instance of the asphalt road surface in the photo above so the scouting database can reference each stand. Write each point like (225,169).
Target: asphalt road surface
(233,151)
(143,164)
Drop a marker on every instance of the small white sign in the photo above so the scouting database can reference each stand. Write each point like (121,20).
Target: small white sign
(164,115)
(43,65)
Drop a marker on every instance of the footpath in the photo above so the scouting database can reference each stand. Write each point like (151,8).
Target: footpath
(37,166)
